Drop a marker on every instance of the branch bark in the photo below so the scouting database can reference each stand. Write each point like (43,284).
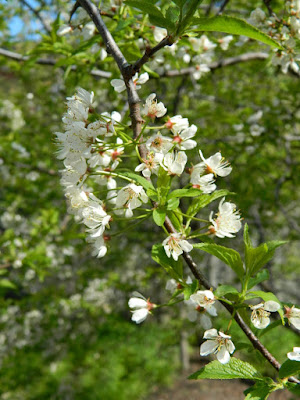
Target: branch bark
(38,15)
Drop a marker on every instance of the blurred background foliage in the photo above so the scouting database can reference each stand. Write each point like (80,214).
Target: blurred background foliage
(65,330)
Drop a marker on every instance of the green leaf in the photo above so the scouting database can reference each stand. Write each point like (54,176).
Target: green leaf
(266,296)
(224,289)
(188,11)
(156,17)
(259,277)
(176,219)
(257,257)
(159,216)
(146,7)
(172,267)
(205,199)
(172,14)
(172,204)
(184,193)
(150,71)
(190,289)
(7,284)
(234,26)
(293,388)
(152,194)
(289,368)
(225,254)
(259,391)
(235,369)
(139,179)
(163,185)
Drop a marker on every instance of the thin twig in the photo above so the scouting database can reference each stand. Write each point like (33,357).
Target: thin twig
(38,15)
(223,6)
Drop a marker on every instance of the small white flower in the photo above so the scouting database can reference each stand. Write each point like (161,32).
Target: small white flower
(224,42)
(219,344)
(174,245)
(205,299)
(159,34)
(96,219)
(257,16)
(228,220)
(140,308)
(295,354)
(204,183)
(215,165)
(174,163)
(261,312)
(183,139)
(64,30)
(130,197)
(177,124)
(159,143)
(293,316)
(119,84)
(150,165)
(152,109)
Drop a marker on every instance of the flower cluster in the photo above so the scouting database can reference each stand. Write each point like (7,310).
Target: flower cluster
(90,147)
(285,31)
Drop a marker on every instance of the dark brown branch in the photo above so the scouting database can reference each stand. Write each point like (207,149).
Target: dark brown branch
(223,6)
(149,52)
(267,4)
(38,15)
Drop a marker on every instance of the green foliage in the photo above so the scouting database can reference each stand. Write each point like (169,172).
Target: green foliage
(228,256)
(235,369)
(289,368)
(204,200)
(234,26)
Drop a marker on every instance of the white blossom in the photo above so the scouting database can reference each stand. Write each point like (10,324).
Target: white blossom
(159,33)
(159,143)
(261,312)
(64,30)
(150,165)
(217,343)
(175,245)
(228,220)
(205,299)
(152,109)
(295,354)
(177,123)
(96,219)
(183,139)
(293,316)
(119,84)
(130,197)
(205,183)
(214,165)
(174,163)
(224,42)
(140,308)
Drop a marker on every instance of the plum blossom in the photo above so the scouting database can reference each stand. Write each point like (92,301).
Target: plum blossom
(261,312)
(214,165)
(130,197)
(205,183)
(159,143)
(174,163)
(159,33)
(119,84)
(175,245)
(295,354)
(177,124)
(150,165)
(183,138)
(293,316)
(205,299)
(96,219)
(140,308)
(228,220)
(217,343)
(152,109)
(224,42)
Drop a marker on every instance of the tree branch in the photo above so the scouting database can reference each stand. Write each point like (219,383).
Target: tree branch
(38,15)
(48,61)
